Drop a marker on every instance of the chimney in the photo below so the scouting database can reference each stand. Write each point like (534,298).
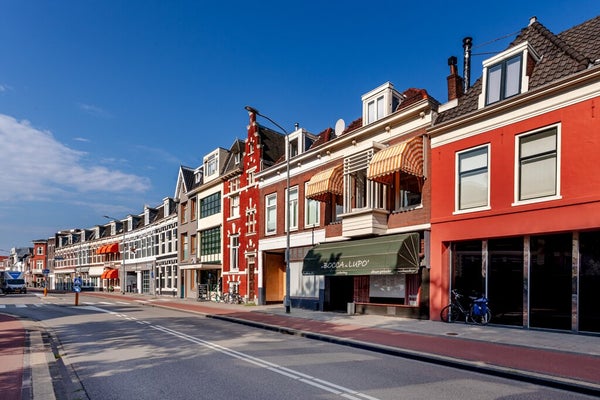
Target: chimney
(455,82)
(467,44)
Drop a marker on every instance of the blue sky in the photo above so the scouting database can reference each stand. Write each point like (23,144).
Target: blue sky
(102,101)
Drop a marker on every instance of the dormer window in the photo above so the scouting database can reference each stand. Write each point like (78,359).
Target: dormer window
(504,80)
(293,148)
(505,75)
(211,164)
(380,102)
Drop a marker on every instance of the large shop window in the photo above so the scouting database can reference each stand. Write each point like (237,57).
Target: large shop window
(538,155)
(589,281)
(468,275)
(550,281)
(505,280)
(473,179)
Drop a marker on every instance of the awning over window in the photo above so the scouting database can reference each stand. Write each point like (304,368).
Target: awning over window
(100,250)
(110,274)
(406,156)
(385,255)
(112,248)
(326,183)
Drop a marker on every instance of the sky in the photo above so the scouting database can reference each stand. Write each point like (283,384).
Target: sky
(102,101)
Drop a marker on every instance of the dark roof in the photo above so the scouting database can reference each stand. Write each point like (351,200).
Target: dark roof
(561,55)
(272,145)
(187,174)
(230,165)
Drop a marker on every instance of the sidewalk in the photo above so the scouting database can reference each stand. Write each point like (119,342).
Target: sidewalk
(560,360)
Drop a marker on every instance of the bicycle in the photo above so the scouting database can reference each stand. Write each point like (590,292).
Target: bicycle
(232,298)
(476,312)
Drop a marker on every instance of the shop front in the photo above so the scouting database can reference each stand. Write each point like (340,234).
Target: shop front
(547,281)
(378,275)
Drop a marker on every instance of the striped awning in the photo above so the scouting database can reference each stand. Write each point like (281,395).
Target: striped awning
(112,248)
(406,156)
(325,183)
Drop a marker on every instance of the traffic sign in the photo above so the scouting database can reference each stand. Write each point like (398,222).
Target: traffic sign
(46,271)
(77,289)
(77,282)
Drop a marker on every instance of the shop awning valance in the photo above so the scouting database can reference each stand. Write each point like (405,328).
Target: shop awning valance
(112,248)
(110,274)
(385,255)
(325,183)
(406,156)
(100,250)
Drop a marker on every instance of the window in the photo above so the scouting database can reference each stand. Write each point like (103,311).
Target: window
(234,252)
(40,251)
(251,221)
(250,177)
(193,203)
(293,150)
(39,264)
(473,178)
(504,79)
(183,212)
(193,244)
(234,203)
(210,205)
(311,211)
(292,212)
(538,164)
(271,213)
(210,244)
(185,246)
(359,192)
(375,109)
(234,184)
(211,165)
(405,193)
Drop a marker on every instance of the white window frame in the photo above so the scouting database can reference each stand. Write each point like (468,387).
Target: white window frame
(234,252)
(271,212)
(292,204)
(310,204)
(458,182)
(526,52)
(234,206)
(517,167)
(211,165)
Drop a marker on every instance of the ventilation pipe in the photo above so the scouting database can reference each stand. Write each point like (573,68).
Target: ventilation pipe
(467,44)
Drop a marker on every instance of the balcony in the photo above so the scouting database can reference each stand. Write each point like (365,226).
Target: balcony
(363,222)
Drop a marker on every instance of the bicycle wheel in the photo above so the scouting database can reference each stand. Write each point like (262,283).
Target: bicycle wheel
(481,319)
(449,313)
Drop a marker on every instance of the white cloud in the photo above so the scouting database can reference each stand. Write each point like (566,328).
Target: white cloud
(80,139)
(94,110)
(35,166)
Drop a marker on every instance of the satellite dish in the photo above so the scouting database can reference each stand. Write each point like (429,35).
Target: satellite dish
(340,125)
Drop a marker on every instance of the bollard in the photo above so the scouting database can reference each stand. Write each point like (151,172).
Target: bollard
(45,291)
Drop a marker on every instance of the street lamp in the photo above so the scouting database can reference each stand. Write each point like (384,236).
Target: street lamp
(122,252)
(287,302)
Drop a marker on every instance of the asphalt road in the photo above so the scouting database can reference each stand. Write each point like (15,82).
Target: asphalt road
(126,350)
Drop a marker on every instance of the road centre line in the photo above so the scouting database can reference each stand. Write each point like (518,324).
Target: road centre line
(304,378)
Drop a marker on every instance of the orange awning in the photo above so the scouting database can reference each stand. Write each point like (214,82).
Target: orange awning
(112,274)
(112,248)
(103,276)
(100,250)
(406,156)
(326,183)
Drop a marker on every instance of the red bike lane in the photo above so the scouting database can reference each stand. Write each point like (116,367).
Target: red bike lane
(12,347)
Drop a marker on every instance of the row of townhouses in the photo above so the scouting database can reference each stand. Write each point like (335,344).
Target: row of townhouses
(495,191)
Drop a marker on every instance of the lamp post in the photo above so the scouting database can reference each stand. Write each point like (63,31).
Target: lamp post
(122,253)
(287,302)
